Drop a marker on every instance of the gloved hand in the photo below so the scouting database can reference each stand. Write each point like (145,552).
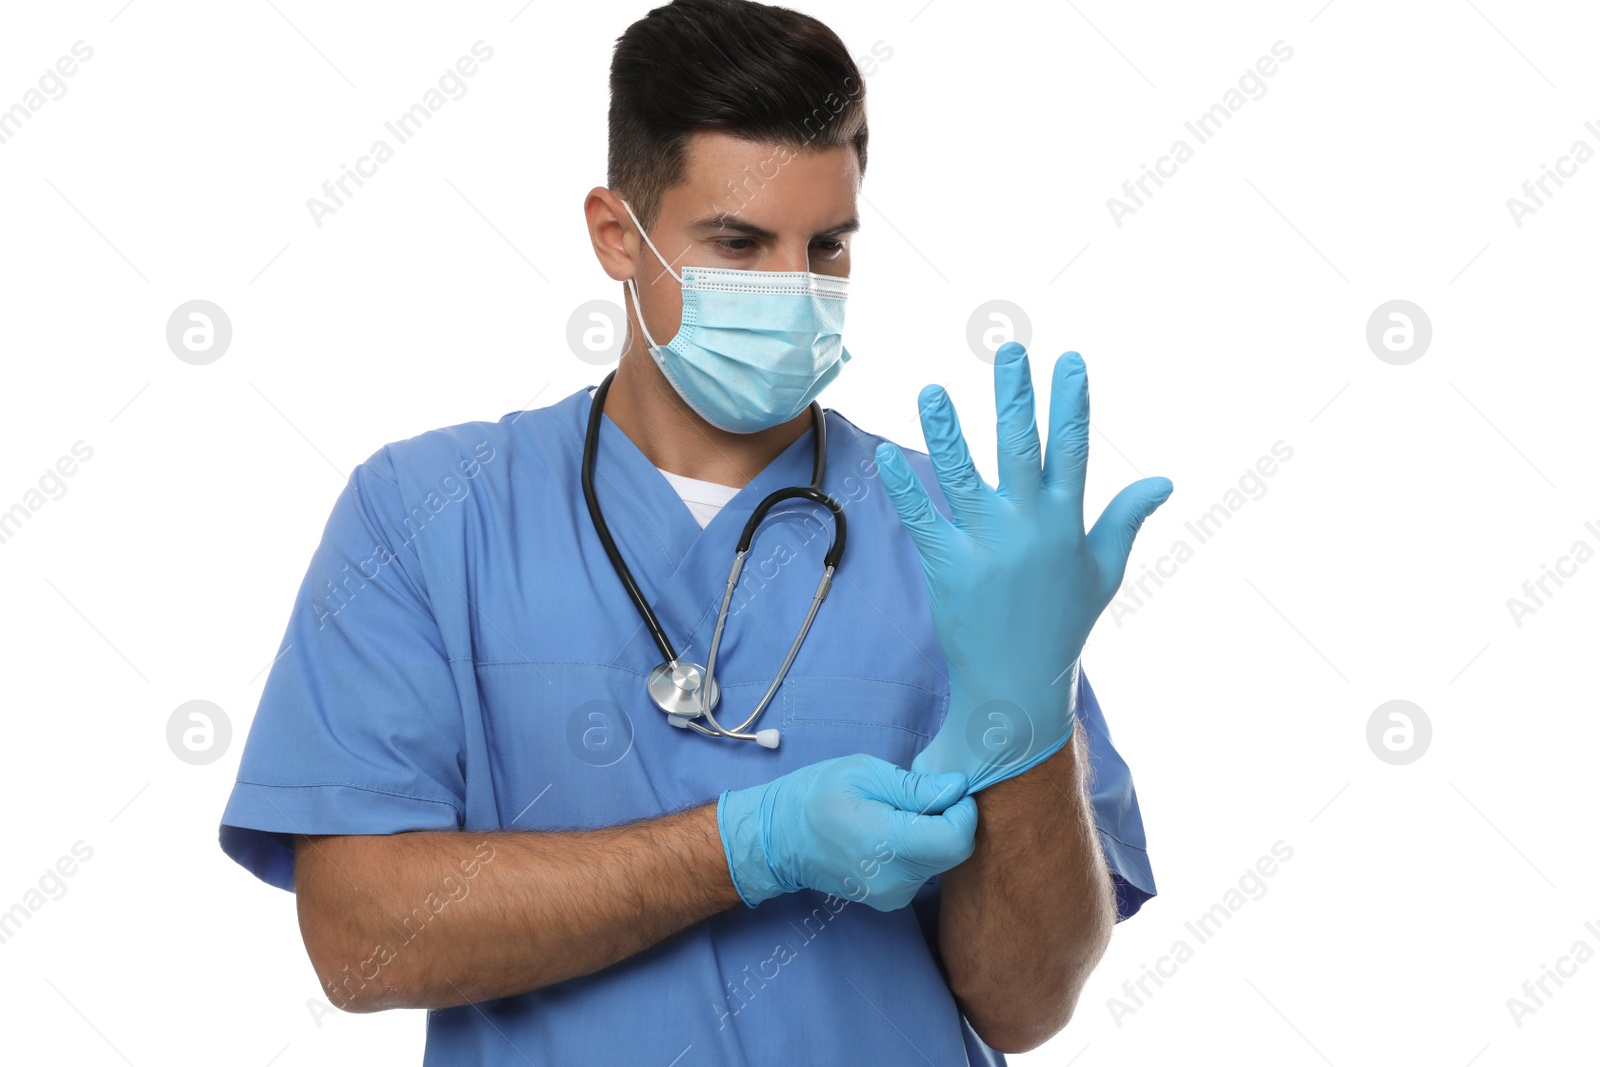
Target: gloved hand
(856,827)
(1014,582)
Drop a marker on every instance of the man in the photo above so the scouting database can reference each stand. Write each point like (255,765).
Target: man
(458,764)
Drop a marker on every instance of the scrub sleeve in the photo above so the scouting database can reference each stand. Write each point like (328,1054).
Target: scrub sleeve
(359,729)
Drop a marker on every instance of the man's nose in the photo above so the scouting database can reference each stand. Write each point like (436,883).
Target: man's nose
(790,257)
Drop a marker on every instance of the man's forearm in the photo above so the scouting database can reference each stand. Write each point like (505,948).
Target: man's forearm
(397,921)
(1024,921)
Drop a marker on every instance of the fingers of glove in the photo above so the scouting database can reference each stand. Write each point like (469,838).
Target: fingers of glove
(952,462)
(1066,453)
(936,843)
(963,819)
(1111,540)
(1016,432)
(923,762)
(928,845)
(888,896)
(910,498)
(919,794)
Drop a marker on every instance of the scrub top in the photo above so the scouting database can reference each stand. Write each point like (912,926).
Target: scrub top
(462,656)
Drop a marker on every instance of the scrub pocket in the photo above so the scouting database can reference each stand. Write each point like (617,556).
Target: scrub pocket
(828,717)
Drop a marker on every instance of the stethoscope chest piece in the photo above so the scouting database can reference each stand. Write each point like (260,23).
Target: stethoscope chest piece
(676,687)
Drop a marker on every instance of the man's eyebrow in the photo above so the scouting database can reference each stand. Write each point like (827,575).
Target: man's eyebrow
(732,222)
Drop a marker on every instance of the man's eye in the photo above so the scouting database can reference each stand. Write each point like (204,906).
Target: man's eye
(831,246)
(735,244)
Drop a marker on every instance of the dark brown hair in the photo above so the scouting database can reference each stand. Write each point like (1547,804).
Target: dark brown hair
(756,71)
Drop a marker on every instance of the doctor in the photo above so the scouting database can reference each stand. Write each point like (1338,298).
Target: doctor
(460,763)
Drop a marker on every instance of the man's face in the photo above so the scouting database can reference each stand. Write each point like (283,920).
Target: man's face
(749,206)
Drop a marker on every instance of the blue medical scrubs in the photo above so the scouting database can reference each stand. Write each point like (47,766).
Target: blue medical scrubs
(461,656)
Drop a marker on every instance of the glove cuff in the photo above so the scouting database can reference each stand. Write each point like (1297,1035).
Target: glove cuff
(986,772)
(741,822)
(1037,758)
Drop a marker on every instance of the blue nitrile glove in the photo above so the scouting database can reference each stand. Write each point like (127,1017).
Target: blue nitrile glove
(856,827)
(1014,582)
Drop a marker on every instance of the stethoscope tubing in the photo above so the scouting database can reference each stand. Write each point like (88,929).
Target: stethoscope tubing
(831,560)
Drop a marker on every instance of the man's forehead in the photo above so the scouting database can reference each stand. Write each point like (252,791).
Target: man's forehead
(726,179)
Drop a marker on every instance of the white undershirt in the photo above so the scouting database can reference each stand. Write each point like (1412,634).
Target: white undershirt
(704,499)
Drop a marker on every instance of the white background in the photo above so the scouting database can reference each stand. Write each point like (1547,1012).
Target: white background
(1227,314)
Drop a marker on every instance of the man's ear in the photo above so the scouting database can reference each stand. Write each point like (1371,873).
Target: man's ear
(612,234)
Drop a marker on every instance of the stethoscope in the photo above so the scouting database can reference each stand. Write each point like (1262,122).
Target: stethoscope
(677,685)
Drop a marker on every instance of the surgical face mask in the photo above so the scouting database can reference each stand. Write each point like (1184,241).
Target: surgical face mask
(754,347)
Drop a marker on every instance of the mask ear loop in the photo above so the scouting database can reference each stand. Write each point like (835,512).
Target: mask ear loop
(633,291)
(665,265)
(633,286)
